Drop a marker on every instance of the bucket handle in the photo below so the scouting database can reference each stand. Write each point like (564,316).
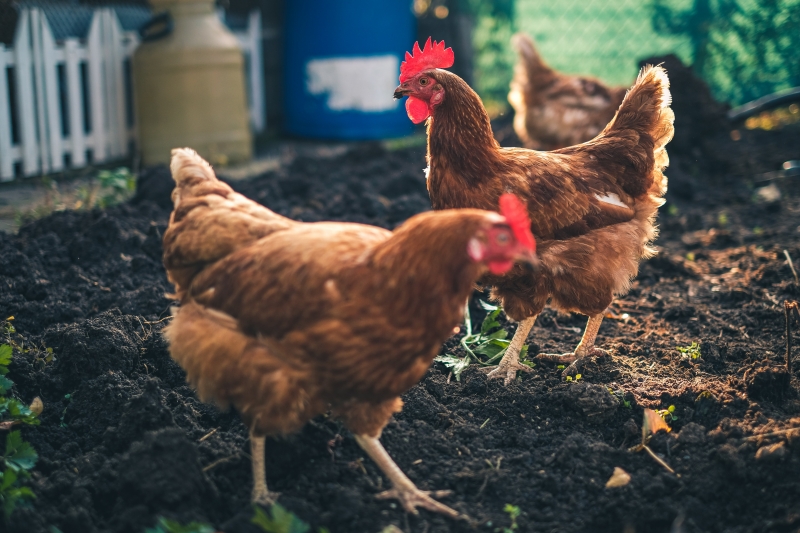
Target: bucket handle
(161,18)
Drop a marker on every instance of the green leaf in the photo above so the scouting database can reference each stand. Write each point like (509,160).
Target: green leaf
(172,526)
(5,354)
(19,454)
(5,384)
(455,364)
(487,305)
(9,477)
(499,334)
(19,411)
(281,521)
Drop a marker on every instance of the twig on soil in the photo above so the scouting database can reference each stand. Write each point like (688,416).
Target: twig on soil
(658,459)
(791,265)
(158,321)
(787,309)
(220,461)
(485,422)
(771,434)
(207,435)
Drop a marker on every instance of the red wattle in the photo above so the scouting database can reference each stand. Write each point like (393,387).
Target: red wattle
(417,109)
(500,267)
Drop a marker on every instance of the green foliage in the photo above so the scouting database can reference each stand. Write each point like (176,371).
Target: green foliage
(19,457)
(513,513)
(667,414)
(281,520)
(11,494)
(115,186)
(692,351)
(486,347)
(576,379)
(743,48)
(620,396)
(494,58)
(171,526)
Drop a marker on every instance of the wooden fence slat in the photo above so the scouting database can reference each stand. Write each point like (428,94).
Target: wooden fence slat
(96,85)
(6,159)
(23,77)
(116,59)
(75,102)
(41,104)
(257,112)
(53,105)
(36,58)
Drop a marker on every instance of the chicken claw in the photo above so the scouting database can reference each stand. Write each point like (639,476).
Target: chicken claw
(584,350)
(260,495)
(410,499)
(403,489)
(509,364)
(576,362)
(508,369)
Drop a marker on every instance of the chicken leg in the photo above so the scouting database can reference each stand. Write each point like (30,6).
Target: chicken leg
(403,488)
(585,348)
(261,495)
(509,364)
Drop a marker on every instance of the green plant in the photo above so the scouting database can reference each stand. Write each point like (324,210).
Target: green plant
(620,396)
(115,186)
(575,379)
(667,414)
(19,457)
(165,525)
(743,48)
(485,347)
(281,520)
(692,351)
(513,513)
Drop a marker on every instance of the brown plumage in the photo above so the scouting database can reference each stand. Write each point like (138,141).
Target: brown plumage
(554,110)
(285,320)
(592,206)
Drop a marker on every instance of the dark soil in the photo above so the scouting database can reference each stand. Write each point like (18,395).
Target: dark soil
(123,440)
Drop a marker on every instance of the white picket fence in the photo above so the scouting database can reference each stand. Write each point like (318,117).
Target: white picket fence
(69,104)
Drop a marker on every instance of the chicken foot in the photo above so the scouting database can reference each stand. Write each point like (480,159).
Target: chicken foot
(509,364)
(403,489)
(261,495)
(585,348)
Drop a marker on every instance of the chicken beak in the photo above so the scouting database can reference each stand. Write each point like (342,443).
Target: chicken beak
(529,260)
(401,91)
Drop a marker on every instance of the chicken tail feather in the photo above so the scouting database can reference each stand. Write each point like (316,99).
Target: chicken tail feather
(645,121)
(209,221)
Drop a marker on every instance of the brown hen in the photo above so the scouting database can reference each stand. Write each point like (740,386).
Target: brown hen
(592,206)
(554,110)
(285,320)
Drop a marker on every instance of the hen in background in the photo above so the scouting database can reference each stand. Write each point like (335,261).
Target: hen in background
(286,320)
(555,110)
(592,206)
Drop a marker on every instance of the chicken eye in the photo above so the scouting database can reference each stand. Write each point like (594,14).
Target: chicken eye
(423,81)
(502,238)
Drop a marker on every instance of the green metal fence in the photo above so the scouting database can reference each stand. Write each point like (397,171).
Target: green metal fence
(743,48)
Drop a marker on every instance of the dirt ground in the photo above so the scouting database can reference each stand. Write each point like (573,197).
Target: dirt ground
(124,440)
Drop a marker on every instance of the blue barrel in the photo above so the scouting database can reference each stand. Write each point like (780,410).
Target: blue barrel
(342,65)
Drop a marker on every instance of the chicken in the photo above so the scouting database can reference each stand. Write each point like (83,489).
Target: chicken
(286,320)
(555,110)
(592,206)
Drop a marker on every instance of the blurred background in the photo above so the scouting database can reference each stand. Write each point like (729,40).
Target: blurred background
(296,72)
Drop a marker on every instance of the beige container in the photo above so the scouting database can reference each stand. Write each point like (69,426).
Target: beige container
(190,90)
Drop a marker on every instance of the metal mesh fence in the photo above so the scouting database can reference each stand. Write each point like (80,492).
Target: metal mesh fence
(744,49)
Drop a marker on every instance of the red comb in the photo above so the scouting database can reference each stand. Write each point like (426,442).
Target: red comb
(517,216)
(434,55)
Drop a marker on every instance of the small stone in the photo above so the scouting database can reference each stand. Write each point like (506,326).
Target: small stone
(692,434)
(772,452)
(619,478)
